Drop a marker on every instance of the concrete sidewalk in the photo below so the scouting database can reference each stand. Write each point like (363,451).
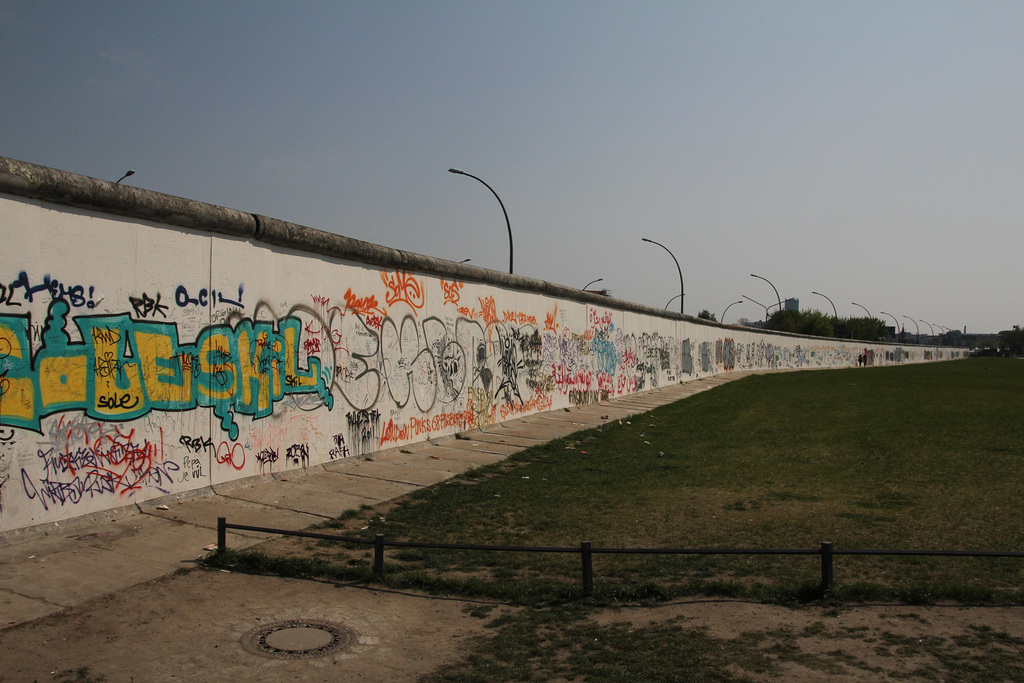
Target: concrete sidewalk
(45,571)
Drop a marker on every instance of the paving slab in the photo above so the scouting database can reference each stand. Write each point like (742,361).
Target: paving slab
(153,539)
(301,497)
(399,473)
(539,431)
(17,609)
(204,513)
(510,439)
(363,486)
(552,433)
(72,576)
(468,455)
(436,463)
(43,545)
(503,450)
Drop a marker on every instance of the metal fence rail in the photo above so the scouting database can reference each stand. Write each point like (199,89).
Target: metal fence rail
(586,551)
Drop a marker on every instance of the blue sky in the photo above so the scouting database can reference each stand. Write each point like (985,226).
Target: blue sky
(871,151)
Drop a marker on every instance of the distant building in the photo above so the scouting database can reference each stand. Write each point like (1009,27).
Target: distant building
(791,304)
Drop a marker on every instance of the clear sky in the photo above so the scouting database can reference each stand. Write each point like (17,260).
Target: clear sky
(871,151)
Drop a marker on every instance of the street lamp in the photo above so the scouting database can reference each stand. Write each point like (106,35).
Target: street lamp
(929,326)
(130,172)
(865,309)
(773,287)
(727,309)
(507,224)
(600,279)
(916,326)
(895,322)
(682,290)
(671,300)
(465,260)
(834,314)
(759,304)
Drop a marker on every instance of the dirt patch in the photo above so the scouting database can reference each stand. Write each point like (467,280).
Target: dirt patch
(859,642)
(190,627)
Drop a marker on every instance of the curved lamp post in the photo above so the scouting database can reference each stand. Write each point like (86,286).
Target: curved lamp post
(671,300)
(682,289)
(465,260)
(895,322)
(507,224)
(600,279)
(727,309)
(773,287)
(916,326)
(130,172)
(759,304)
(834,314)
(929,327)
(865,309)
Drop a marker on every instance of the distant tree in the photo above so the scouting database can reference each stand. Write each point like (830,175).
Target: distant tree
(818,324)
(866,329)
(813,323)
(707,315)
(1012,340)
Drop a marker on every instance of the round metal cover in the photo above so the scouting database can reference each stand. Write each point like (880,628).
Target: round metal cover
(297,639)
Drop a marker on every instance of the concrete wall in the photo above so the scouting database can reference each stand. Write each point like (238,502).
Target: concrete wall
(150,345)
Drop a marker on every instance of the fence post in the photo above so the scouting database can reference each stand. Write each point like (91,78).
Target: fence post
(588,568)
(222,534)
(827,573)
(378,556)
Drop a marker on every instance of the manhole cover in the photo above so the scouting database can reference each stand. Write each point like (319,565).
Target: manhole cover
(297,639)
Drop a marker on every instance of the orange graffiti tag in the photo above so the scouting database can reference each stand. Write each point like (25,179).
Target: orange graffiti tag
(549,322)
(402,287)
(362,305)
(519,317)
(488,311)
(452,291)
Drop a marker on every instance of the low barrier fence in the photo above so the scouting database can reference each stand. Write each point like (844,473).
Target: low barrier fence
(587,551)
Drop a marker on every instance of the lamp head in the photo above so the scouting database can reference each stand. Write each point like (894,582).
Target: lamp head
(455,170)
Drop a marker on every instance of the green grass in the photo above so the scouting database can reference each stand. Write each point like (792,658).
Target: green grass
(914,457)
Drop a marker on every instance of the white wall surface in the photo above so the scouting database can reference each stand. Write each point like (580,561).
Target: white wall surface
(139,360)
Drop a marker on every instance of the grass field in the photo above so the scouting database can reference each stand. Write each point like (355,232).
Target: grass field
(914,457)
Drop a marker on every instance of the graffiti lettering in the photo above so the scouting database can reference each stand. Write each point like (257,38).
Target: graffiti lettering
(206,298)
(115,402)
(115,464)
(75,295)
(145,305)
(7,295)
(452,291)
(195,444)
(298,454)
(364,431)
(403,287)
(362,305)
(230,454)
(247,369)
(267,456)
(340,449)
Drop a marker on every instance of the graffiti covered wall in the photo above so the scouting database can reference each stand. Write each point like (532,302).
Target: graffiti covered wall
(140,359)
